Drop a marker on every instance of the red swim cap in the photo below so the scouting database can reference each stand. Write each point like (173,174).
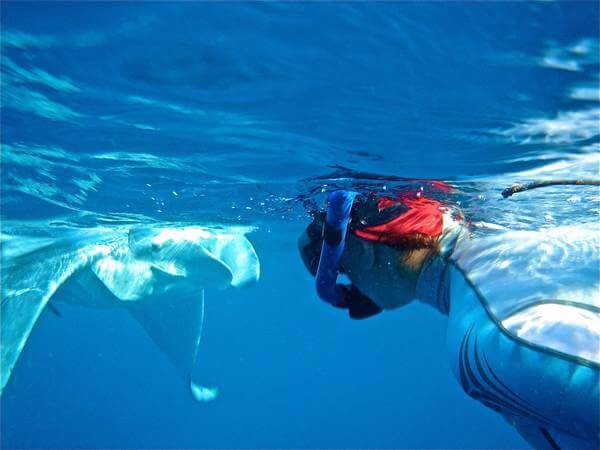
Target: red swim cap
(424,217)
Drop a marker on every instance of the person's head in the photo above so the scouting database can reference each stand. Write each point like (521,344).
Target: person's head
(386,245)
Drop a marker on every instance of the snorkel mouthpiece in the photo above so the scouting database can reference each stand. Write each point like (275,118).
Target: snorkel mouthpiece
(339,206)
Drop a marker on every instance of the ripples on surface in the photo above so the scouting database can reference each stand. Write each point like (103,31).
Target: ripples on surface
(234,123)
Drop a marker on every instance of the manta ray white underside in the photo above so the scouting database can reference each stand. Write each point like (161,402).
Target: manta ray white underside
(158,273)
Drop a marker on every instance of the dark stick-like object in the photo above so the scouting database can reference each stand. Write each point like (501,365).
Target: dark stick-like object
(543,183)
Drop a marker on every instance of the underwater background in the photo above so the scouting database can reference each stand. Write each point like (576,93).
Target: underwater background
(246,114)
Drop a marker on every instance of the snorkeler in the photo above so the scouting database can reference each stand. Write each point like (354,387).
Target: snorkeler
(523,306)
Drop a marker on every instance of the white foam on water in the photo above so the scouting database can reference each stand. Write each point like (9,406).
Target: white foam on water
(564,128)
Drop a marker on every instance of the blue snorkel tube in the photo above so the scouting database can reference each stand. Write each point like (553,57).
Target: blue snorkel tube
(339,205)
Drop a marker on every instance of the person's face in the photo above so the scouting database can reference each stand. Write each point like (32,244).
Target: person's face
(378,271)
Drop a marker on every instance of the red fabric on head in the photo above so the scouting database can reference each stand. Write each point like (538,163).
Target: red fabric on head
(441,186)
(437,185)
(424,216)
(385,202)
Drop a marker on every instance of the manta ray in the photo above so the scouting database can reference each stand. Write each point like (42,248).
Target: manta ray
(158,273)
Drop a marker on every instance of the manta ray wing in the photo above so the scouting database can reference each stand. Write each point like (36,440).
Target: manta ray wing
(32,271)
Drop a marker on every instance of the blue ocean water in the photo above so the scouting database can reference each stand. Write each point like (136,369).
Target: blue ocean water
(120,114)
